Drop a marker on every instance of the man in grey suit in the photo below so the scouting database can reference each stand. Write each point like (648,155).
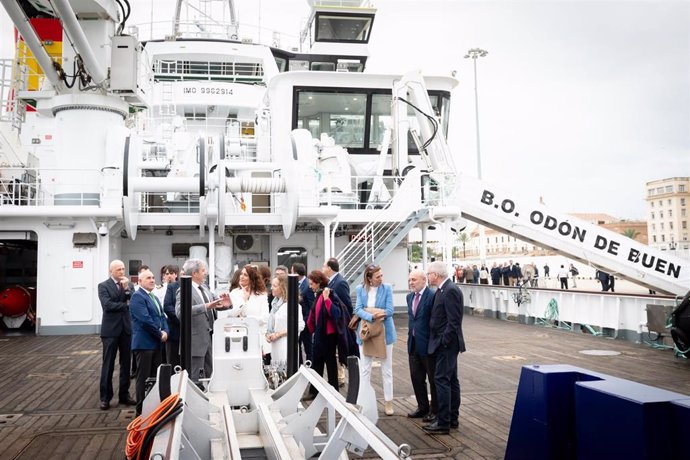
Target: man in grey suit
(204,305)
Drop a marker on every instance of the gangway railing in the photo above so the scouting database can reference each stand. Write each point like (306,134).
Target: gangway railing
(591,244)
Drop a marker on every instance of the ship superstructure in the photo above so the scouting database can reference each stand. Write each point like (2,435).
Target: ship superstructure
(201,140)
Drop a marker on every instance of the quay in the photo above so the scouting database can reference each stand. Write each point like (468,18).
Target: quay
(49,389)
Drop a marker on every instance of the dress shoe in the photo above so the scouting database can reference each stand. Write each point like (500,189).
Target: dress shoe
(418,414)
(429,418)
(105,405)
(128,402)
(434,428)
(388,408)
(454,424)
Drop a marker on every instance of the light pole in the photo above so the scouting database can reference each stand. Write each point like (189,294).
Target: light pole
(474,54)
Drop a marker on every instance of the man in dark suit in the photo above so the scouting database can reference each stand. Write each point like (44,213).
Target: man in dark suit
(116,333)
(445,342)
(149,332)
(306,301)
(204,305)
(419,303)
(172,345)
(341,287)
(337,283)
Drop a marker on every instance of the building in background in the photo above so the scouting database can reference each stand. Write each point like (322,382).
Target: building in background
(667,208)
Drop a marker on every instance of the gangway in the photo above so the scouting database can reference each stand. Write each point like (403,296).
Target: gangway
(508,212)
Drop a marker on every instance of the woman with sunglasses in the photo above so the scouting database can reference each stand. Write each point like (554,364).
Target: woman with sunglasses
(375,303)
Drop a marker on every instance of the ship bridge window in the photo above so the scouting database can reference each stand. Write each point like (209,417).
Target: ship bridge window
(343,27)
(299,65)
(281,63)
(381,117)
(340,115)
(323,66)
(349,65)
(357,118)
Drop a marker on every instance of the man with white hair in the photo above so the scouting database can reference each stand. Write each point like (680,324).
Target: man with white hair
(419,303)
(204,305)
(445,342)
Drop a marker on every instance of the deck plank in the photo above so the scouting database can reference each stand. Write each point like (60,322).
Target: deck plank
(53,383)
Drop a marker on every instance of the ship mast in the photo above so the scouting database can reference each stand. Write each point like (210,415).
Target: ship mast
(178,20)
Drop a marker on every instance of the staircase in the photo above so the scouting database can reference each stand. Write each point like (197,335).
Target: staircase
(373,243)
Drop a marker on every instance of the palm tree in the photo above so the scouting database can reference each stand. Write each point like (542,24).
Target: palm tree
(630,233)
(463,238)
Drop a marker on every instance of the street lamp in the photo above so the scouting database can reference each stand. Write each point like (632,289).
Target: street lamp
(474,54)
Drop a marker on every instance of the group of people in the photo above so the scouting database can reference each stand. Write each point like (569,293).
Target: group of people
(135,320)
(434,341)
(141,323)
(138,324)
(506,274)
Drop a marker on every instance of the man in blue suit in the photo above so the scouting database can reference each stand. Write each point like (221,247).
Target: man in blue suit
(116,333)
(306,301)
(419,303)
(445,342)
(149,332)
(341,287)
(337,283)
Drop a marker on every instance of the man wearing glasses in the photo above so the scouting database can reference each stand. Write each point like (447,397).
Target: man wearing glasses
(445,342)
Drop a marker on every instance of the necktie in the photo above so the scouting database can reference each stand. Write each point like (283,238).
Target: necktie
(210,315)
(203,294)
(415,304)
(155,302)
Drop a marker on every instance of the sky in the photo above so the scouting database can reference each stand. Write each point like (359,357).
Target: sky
(580,102)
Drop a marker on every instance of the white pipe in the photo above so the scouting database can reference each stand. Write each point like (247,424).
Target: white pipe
(212,258)
(323,212)
(425,253)
(59,211)
(76,33)
(253,166)
(256,185)
(165,184)
(28,33)
(326,222)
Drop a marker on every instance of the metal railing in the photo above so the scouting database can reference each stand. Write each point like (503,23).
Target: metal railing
(48,187)
(208,70)
(215,29)
(373,241)
(14,192)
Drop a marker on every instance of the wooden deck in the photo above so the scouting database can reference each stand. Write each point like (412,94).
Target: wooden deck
(49,390)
